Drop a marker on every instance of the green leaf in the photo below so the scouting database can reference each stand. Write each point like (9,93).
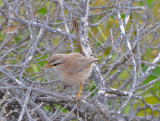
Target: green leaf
(149,79)
(141,3)
(42,11)
(123,16)
(47,107)
(150,3)
(154,75)
(155,72)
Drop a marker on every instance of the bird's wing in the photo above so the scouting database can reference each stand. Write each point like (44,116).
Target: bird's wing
(79,64)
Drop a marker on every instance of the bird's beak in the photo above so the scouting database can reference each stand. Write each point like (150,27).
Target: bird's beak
(48,66)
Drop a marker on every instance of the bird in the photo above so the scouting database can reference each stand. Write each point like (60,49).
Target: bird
(71,69)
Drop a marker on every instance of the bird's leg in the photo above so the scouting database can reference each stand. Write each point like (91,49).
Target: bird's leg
(80,90)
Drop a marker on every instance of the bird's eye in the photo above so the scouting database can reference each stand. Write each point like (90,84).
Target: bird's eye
(56,64)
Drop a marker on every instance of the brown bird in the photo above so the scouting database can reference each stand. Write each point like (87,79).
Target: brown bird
(72,69)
